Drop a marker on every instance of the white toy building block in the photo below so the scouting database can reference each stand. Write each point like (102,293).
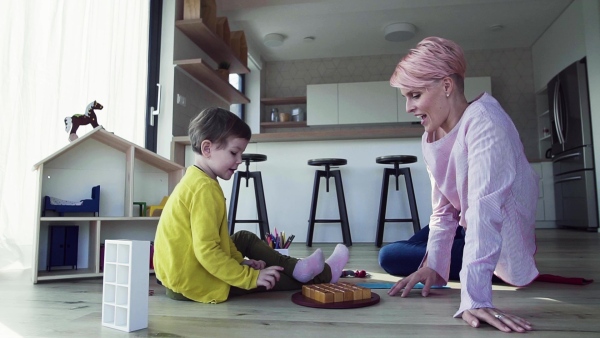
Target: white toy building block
(125,285)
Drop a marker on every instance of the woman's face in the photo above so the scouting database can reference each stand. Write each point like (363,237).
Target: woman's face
(430,105)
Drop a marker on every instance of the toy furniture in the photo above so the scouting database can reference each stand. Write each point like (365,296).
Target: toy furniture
(261,207)
(396,160)
(62,206)
(142,206)
(154,208)
(327,173)
(125,285)
(62,246)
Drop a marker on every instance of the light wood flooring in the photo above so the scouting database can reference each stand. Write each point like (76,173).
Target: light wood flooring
(73,308)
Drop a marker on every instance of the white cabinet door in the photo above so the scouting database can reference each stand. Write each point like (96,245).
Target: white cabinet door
(367,102)
(322,104)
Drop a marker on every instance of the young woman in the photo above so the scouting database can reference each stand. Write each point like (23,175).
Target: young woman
(194,257)
(481,181)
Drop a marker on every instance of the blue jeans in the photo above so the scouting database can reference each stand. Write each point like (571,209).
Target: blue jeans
(404,257)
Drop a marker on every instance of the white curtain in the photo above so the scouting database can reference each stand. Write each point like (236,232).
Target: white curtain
(55,58)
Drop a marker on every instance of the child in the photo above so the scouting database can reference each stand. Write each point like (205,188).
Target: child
(195,258)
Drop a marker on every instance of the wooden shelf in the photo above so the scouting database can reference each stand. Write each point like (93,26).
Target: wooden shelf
(200,71)
(291,124)
(283,100)
(211,44)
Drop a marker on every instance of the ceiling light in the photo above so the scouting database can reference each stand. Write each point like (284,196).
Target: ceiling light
(496,27)
(273,40)
(309,39)
(400,31)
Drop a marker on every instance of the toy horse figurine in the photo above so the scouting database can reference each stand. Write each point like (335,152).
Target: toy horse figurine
(89,117)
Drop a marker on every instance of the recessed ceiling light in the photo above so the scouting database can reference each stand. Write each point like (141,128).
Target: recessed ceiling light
(309,39)
(400,31)
(495,28)
(273,40)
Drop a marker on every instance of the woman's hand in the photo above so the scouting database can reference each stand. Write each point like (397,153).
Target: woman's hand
(268,277)
(425,275)
(501,320)
(256,265)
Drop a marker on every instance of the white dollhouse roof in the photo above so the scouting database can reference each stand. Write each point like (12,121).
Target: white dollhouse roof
(101,135)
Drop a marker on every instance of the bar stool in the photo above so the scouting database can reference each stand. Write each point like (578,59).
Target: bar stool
(396,160)
(327,173)
(261,207)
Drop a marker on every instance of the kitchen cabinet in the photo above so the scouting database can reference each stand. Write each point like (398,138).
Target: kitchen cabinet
(370,102)
(545,213)
(322,104)
(367,102)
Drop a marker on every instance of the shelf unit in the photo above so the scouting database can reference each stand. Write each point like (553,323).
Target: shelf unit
(125,172)
(199,70)
(125,285)
(275,101)
(219,51)
(290,124)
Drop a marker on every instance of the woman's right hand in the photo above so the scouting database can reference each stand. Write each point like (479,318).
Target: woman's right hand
(425,275)
(267,277)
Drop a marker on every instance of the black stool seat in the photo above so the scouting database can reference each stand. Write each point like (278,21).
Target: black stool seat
(327,173)
(261,206)
(327,161)
(253,158)
(396,160)
(393,159)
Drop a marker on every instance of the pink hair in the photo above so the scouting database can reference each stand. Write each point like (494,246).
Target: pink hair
(433,59)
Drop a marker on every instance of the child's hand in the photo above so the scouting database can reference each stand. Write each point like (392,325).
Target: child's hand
(269,276)
(256,265)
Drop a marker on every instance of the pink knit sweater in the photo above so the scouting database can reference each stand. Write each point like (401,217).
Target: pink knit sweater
(482,181)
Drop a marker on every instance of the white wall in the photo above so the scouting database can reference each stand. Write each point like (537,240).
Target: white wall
(288,183)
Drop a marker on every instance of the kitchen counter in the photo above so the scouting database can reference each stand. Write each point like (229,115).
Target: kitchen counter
(338,132)
(285,133)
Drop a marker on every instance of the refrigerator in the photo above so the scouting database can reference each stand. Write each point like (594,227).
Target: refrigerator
(572,151)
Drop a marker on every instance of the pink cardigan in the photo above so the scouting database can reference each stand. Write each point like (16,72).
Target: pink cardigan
(482,181)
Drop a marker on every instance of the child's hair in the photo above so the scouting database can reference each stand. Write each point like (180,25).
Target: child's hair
(216,125)
(433,59)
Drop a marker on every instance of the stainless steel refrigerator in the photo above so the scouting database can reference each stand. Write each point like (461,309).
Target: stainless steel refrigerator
(572,151)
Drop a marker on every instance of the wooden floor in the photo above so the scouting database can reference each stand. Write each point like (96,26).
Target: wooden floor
(73,309)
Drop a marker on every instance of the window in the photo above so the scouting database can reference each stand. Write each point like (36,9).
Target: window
(237,81)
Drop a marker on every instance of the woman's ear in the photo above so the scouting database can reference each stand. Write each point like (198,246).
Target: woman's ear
(205,148)
(448,84)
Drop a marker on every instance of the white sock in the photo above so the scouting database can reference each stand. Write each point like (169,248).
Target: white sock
(337,261)
(308,268)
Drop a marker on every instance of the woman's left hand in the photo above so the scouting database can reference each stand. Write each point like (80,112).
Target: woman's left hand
(256,265)
(501,320)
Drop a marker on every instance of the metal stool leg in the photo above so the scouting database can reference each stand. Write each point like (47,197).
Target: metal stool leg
(339,187)
(382,208)
(261,206)
(411,199)
(313,208)
(235,192)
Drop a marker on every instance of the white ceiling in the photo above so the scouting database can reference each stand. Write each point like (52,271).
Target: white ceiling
(355,27)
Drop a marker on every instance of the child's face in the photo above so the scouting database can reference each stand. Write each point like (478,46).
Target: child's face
(223,162)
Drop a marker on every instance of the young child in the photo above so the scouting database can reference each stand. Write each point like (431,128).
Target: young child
(194,257)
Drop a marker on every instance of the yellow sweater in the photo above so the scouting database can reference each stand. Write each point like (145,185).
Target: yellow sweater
(193,253)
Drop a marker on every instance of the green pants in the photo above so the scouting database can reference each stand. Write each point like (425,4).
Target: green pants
(253,247)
